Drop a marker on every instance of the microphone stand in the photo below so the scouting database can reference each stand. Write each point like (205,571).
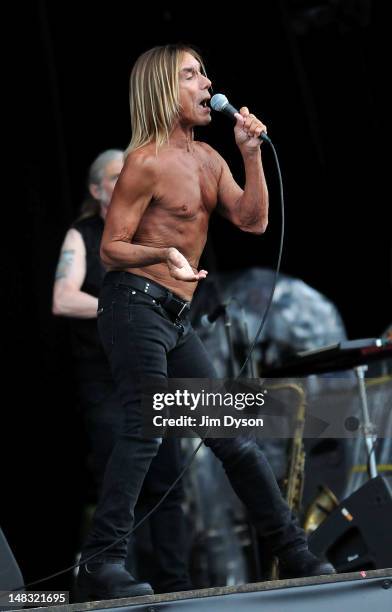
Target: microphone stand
(367,426)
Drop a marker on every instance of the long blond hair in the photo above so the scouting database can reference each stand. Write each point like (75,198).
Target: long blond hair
(154,94)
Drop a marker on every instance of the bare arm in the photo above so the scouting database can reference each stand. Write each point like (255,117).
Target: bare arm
(247,208)
(133,193)
(68,299)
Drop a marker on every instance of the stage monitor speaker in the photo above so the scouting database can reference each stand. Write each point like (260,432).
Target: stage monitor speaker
(10,574)
(357,535)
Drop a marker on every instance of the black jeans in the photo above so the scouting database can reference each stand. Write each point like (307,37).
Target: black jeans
(167,568)
(142,341)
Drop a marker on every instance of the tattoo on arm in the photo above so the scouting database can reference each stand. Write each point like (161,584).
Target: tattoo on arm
(65,262)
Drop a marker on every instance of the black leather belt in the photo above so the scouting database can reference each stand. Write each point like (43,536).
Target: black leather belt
(170,302)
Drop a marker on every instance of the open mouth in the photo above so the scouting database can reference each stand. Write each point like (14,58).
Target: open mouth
(204,103)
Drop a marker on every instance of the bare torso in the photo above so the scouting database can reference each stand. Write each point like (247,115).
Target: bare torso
(178,215)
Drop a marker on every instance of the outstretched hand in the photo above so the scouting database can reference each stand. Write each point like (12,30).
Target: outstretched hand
(247,130)
(180,268)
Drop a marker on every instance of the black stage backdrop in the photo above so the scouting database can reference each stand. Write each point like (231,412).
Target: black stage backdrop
(311,70)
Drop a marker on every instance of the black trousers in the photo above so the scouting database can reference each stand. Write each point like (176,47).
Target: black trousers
(167,567)
(142,341)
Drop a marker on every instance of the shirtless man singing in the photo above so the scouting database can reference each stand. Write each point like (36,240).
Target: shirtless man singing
(155,232)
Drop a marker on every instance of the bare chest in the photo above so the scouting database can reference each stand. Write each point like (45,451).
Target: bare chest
(188,185)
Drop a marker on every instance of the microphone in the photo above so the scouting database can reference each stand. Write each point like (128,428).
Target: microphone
(208,320)
(220,103)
